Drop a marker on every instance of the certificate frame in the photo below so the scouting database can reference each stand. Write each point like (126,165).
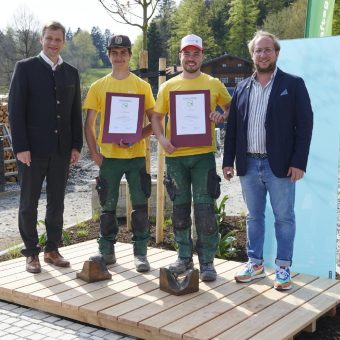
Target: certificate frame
(203,139)
(109,137)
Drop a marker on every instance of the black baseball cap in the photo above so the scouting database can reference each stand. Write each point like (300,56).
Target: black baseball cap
(118,41)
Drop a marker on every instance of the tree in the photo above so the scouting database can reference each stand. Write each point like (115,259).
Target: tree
(218,16)
(19,41)
(80,51)
(99,42)
(336,18)
(195,23)
(136,48)
(128,12)
(242,26)
(289,23)
(154,40)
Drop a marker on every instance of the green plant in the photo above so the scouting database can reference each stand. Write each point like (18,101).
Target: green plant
(226,246)
(96,216)
(66,238)
(167,222)
(220,210)
(42,239)
(82,233)
(14,251)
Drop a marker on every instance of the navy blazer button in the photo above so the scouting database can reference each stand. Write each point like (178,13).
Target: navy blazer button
(55,131)
(58,102)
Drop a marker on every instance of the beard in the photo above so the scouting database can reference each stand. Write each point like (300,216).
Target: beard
(269,69)
(191,69)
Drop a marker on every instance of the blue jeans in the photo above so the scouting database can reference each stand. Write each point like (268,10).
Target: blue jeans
(259,180)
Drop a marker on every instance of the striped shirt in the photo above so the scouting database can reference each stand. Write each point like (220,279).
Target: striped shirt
(258,102)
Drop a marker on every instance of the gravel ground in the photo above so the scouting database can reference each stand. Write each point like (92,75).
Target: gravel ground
(78,199)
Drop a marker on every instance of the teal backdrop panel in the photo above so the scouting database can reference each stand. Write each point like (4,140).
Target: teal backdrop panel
(317,61)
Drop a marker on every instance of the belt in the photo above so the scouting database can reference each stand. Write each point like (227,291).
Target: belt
(257,155)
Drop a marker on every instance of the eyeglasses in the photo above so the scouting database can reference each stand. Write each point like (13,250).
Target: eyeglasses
(264,51)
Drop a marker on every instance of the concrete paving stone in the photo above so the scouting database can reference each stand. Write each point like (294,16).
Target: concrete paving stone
(10,320)
(3,317)
(36,336)
(9,306)
(24,333)
(36,314)
(94,337)
(51,319)
(2,333)
(10,337)
(13,329)
(19,310)
(4,326)
(83,335)
(47,331)
(33,327)
(68,337)
(63,323)
(113,336)
(22,323)
(100,333)
(75,326)
(87,329)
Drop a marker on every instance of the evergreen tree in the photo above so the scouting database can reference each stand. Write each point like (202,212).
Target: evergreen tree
(336,18)
(69,35)
(195,23)
(154,45)
(99,43)
(242,26)
(289,23)
(218,16)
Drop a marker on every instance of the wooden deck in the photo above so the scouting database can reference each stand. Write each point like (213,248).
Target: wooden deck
(132,303)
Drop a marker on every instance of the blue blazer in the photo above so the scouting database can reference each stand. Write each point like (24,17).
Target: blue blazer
(288,125)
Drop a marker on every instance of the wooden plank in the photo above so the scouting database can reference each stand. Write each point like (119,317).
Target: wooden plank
(274,312)
(294,322)
(144,299)
(242,311)
(149,310)
(159,321)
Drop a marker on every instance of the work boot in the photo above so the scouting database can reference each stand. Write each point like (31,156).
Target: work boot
(109,258)
(142,264)
(33,264)
(208,272)
(181,265)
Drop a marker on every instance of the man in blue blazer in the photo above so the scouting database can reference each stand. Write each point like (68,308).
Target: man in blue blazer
(269,132)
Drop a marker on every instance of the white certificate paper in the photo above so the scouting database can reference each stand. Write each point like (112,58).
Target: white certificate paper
(123,114)
(190,114)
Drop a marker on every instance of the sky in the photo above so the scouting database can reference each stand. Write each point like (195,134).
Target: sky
(71,13)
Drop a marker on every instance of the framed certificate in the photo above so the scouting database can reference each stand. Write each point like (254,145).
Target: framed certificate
(189,118)
(123,118)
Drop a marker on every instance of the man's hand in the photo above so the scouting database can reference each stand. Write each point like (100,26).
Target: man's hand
(75,155)
(166,145)
(217,117)
(228,172)
(24,157)
(97,158)
(295,174)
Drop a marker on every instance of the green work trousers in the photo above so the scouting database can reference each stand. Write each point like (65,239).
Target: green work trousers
(194,178)
(108,184)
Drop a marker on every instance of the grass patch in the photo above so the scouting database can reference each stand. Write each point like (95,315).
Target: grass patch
(93,74)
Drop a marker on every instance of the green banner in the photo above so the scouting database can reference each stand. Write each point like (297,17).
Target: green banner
(319,18)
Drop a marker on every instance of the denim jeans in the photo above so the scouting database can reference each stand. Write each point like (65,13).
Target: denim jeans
(259,180)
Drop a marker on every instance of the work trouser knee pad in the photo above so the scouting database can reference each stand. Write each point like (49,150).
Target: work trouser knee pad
(181,218)
(108,224)
(205,219)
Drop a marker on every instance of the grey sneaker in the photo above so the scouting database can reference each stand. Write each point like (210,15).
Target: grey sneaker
(181,265)
(142,264)
(208,272)
(109,258)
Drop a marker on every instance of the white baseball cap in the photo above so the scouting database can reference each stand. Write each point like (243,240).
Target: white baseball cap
(192,40)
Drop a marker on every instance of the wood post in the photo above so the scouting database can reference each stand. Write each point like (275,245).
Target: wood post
(160,170)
